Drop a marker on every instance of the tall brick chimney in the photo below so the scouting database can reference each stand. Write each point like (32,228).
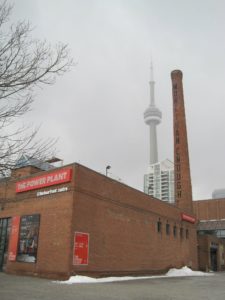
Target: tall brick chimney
(182,177)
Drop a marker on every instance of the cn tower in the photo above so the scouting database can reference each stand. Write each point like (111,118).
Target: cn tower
(152,117)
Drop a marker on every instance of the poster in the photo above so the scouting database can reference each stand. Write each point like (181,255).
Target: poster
(28,238)
(81,245)
(13,241)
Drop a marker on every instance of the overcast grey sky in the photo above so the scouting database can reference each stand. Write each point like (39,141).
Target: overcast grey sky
(96,110)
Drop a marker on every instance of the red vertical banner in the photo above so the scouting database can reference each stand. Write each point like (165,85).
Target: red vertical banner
(14,237)
(81,248)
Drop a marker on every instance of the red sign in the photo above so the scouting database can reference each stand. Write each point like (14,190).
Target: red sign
(80,252)
(187,218)
(14,237)
(57,177)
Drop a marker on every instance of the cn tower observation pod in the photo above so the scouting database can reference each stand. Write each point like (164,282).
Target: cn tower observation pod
(152,115)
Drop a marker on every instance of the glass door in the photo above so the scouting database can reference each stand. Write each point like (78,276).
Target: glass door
(5,225)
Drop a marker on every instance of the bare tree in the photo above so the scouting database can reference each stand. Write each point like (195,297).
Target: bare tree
(25,63)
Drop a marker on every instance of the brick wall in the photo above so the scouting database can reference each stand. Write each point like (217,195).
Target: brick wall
(213,209)
(54,241)
(204,244)
(182,177)
(122,224)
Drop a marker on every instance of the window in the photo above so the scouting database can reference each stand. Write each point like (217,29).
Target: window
(167,229)
(5,228)
(187,234)
(159,226)
(28,238)
(181,232)
(175,231)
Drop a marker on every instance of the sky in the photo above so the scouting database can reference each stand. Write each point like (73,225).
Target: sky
(96,109)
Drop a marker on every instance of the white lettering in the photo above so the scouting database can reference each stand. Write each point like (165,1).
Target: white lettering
(63,189)
(59,190)
(44,181)
(56,177)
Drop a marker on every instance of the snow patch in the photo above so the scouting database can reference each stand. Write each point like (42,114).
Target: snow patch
(185,271)
(85,279)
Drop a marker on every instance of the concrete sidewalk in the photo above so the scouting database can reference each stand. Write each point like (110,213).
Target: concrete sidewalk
(183,288)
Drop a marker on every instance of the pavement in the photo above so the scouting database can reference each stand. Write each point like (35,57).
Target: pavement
(183,288)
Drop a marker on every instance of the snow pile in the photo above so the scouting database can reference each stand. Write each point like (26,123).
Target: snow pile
(185,271)
(85,279)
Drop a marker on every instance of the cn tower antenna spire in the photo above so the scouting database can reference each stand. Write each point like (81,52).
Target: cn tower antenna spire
(152,117)
(151,71)
(152,86)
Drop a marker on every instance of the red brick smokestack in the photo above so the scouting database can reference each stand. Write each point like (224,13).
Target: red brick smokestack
(182,177)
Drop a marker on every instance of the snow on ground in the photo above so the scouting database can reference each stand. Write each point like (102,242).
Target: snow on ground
(185,271)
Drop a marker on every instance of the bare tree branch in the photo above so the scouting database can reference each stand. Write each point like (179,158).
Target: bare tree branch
(25,63)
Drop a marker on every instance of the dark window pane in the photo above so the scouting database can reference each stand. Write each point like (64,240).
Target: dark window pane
(174,231)
(159,226)
(181,233)
(167,229)
(187,234)
(28,238)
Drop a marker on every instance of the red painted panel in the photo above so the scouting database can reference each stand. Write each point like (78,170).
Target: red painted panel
(57,177)
(188,218)
(81,245)
(14,237)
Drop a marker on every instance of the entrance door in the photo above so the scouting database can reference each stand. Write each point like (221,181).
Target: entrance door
(4,238)
(213,258)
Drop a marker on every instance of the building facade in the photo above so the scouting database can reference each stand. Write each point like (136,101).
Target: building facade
(68,221)
(211,216)
(211,253)
(64,221)
(159,181)
(209,213)
(211,233)
(219,193)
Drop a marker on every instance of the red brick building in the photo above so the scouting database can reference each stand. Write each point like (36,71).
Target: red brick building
(211,233)
(211,209)
(72,220)
(210,214)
